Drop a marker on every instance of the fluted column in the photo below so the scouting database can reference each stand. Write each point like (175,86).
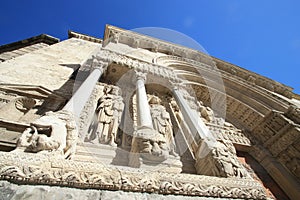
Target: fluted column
(144,119)
(81,96)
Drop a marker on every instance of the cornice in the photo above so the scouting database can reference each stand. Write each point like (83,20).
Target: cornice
(73,34)
(44,38)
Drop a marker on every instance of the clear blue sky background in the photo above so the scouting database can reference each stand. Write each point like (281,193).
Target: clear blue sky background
(260,35)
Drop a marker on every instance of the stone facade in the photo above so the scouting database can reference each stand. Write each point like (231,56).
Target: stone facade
(145,117)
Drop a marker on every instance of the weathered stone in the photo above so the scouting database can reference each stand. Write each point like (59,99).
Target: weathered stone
(133,117)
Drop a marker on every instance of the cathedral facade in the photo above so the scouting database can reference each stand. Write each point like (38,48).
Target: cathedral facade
(132,116)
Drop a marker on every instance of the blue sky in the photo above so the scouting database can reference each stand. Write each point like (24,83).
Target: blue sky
(259,35)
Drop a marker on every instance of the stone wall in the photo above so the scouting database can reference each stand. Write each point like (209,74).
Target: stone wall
(54,63)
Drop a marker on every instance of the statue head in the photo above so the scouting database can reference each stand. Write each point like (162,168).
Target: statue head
(152,145)
(155,100)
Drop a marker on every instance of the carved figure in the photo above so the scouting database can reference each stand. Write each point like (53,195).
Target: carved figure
(206,112)
(149,145)
(162,122)
(55,131)
(109,110)
(222,161)
(154,148)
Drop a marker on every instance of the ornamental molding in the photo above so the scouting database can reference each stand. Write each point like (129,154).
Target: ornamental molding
(136,40)
(52,169)
(73,34)
(110,56)
(243,77)
(280,136)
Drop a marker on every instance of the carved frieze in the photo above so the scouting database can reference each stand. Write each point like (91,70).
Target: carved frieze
(224,132)
(243,114)
(157,70)
(280,135)
(51,170)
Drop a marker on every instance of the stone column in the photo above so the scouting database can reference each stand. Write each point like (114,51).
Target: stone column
(191,117)
(213,158)
(81,96)
(144,119)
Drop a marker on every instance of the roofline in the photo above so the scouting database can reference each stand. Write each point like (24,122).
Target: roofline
(29,41)
(74,34)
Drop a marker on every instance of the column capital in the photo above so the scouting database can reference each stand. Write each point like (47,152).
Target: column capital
(99,64)
(141,75)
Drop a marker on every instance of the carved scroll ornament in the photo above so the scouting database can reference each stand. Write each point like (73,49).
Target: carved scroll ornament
(21,167)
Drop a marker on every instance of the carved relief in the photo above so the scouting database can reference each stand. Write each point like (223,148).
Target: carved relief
(284,141)
(294,114)
(206,113)
(159,71)
(153,145)
(243,114)
(150,145)
(43,169)
(220,160)
(290,158)
(86,119)
(109,113)
(226,131)
(55,131)
(162,122)
(279,135)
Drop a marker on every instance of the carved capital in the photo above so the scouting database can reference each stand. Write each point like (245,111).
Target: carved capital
(140,76)
(99,64)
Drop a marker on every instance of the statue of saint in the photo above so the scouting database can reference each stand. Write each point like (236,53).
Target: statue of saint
(162,122)
(109,112)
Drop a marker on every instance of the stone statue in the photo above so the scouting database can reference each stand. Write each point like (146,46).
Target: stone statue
(162,122)
(109,111)
(55,131)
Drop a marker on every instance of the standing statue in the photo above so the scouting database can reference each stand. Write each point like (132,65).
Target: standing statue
(109,111)
(162,122)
